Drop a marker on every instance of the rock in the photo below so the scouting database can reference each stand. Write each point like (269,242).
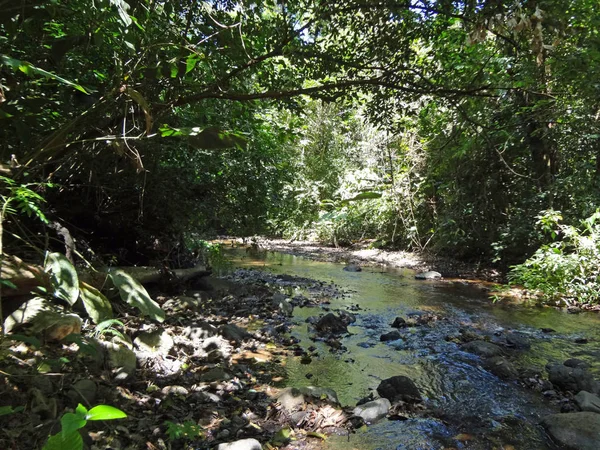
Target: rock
(199,331)
(83,391)
(154,342)
(292,399)
(572,379)
(347,317)
(574,362)
(399,322)
(548,330)
(320,393)
(64,326)
(215,374)
(330,323)
(399,388)
(581,341)
(175,390)
(353,268)
(242,444)
(391,336)
(578,431)
(430,275)
(588,402)
(121,360)
(518,341)
(372,411)
(282,302)
(500,367)
(482,348)
(233,333)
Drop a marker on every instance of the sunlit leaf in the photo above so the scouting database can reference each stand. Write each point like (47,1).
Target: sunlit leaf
(64,277)
(96,304)
(133,293)
(105,412)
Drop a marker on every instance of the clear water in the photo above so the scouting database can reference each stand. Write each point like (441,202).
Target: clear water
(471,408)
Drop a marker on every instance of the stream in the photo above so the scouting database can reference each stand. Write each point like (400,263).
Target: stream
(466,406)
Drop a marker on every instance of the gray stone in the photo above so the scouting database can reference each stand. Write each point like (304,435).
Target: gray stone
(199,331)
(121,360)
(292,399)
(330,323)
(482,348)
(391,336)
(373,411)
(577,431)
(175,390)
(518,341)
(574,362)
(242,444)
(83,391)
(215,374)
(399,388)
(320,393)
(283,303)
(353,268)
(588,402)
(572,379)
(430,275)
(233,333)
(157,342)
(500,367)
(347,317)
(399,322)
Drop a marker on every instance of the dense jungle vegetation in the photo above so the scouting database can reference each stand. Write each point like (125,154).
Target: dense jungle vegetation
(468,128)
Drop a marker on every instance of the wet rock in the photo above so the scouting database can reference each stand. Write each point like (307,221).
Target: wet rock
(500,367)
(588,402)
(399,322)
(121,360)
(347,317)
(574,362)
(353,268)
(372,411)
(573,379)
(292,399)
(215,374)
(548,330)
(581,341)
(430,275)
(579,431)
(154,342)
(391,336)
(83,391)
(482,348)
(283,303)
(398,388)
(518,341)
(330,323)
(242,444)
(233,333)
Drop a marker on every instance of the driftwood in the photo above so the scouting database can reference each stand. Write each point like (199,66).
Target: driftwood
(26,277)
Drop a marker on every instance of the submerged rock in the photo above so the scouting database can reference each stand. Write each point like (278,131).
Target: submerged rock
(588,402)
(353,268)
(242,444)
(578,431)
(374,410)
(391,336)
(518,341)
(500,367)
(330,323)
(399,388)
(430,275)
(482,348)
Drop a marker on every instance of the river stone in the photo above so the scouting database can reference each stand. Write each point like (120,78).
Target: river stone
(233,333)
(330,323)
(353,268)
(430,275)
(482,348)
(399,322)
(292,398)
(391,336)
(500,367)
(282,302)
(347,317)
(588,402)
(372,411)
(120,359)
(572,379)
(577,431)
(154,342)
(242,444)
(574,362)
(399,388)
(518,341)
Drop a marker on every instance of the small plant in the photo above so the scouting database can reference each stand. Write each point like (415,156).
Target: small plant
(107,327)
(69,437)
(187,430)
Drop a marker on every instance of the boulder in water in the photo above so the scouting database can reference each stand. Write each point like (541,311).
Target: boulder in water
(429,275)
(330,323)
(500,367)
(399,388)
(391,336)
(374,410)
(352,268)
(399,322)
(579,431)
(482,348)
(572,379)
(588,402)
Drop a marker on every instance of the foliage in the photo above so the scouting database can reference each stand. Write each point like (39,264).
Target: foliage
(188,430)
(134,294)
(69,437)
(566,268)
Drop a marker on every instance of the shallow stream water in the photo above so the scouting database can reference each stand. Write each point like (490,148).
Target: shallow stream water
(467,407)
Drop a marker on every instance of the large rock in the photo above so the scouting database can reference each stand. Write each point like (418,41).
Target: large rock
(372,411)
(157,342)
(233,333)
(121,360)
(518,341)
(482,348)
(576,431)
(399,322)
(391,336)
(430,275)
(283,303)
(588,402)
(572,379)
(292,399)
(500,367)
(330,323)
(200,330)
(353,268)
(242,444)
(399,388)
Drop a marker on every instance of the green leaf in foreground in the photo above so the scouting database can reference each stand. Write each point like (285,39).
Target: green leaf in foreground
(105,412)
(71,422)
(71,441)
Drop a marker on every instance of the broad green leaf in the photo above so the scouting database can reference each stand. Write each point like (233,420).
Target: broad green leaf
(71,422)
(35,342)
(71,441)
(105,412)
(107,324)
(28,312)
(81,411)
(133,293)
(96,304)
(5,410)
(64,277)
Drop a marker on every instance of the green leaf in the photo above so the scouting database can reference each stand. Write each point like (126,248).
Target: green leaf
(64,277)
(71,422)
(134,294)
(96,304)
(105,412)
(363,196)
(5,410)
(81,411)
(206,138)
(35,342)
(71,441)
